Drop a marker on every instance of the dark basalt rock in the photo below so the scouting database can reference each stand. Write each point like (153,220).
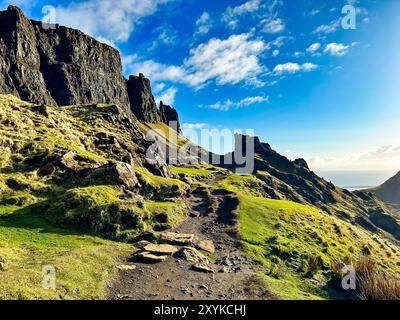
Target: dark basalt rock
(63,66)
(170,116)
(301,163)
(142,101)
(59,66)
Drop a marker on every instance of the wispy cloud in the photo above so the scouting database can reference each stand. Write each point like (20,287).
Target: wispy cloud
(273,26)
(291,68)
(232,14)
(336,49)
(229,104)
(328,28)
(314,47)
(204,24)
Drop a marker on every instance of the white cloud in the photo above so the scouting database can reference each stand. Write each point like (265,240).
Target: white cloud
(108,19)
(232,14)
(336,49)
(204,24)
(314,12)
(229,104)
(273,26)
(275,53)
(192,126)
(383,158)
(314,47)
(328,28)
(291,68)
(168,96)
(228,61)
(158,87)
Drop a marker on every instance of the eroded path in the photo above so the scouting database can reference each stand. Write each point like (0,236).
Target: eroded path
(234,276)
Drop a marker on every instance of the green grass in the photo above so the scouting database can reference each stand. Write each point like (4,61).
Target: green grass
(29,241)
(199,173)
(33,208)
(285,235)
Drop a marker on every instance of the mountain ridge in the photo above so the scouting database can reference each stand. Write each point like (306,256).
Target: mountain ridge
(389,191)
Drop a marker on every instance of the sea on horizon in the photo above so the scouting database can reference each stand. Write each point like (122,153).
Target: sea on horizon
(356,180)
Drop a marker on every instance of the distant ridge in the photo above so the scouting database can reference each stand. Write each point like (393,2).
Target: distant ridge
(389,192)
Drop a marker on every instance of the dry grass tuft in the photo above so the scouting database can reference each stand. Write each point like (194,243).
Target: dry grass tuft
(371,283)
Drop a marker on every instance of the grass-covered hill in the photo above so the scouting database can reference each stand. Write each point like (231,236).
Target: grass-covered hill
(70,178)
(389,191)
(76,191)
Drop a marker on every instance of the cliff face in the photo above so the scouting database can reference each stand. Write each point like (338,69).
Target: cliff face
(64,66)
(170,116)
(61,66)
(142,100)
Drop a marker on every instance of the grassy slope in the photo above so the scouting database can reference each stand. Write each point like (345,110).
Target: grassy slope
(30,235)
(286,235)
(29,241)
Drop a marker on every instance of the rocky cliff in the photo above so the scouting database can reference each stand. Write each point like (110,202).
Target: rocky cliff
(63,66)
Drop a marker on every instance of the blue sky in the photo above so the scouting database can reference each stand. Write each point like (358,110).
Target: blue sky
(285,68)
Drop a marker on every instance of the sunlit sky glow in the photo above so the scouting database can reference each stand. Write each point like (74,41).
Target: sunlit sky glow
(286,69)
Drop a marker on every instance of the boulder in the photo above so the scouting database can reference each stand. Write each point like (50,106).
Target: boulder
(119,173)
(47,169)
(68,161)
(179,239)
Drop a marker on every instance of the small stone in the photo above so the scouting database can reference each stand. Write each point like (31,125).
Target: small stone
(126,267)
(224,270)
(202,268)
(47,169)
(180,239)
(141,244)
(206,245)
(3,263)
(192,255)
(194,214)
(150,258)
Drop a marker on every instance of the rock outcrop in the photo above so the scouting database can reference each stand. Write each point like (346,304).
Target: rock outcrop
(170,116)
(142,100)
(63,66)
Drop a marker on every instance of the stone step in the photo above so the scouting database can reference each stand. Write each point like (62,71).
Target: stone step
(148,257)
(160,249)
